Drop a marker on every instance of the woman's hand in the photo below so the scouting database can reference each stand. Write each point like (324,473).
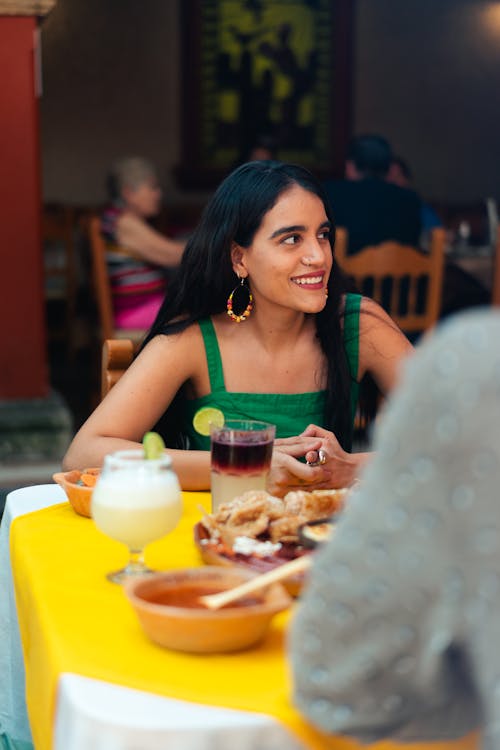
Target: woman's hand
(288,473)
(343,467)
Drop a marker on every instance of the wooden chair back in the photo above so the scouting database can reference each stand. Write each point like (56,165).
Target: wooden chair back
(102,287)
(60,267)
(117,355)
(396,275)
(495,289)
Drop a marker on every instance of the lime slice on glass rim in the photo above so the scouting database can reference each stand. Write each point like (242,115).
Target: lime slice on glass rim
(206,417)
(153,445)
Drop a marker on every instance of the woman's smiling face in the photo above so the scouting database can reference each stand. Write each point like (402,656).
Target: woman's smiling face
(290,258)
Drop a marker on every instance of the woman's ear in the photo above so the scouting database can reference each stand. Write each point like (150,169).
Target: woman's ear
(238,260)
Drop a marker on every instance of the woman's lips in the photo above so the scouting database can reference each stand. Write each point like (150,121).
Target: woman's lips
(310,281)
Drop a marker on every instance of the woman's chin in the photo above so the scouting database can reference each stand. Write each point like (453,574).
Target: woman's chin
(315,305)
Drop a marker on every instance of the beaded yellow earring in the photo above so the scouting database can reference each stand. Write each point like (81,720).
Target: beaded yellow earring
(241,289)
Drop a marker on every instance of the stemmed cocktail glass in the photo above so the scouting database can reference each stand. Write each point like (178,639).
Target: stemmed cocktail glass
(135,501)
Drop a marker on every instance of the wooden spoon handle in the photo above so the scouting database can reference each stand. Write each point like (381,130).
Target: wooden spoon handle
(215,601)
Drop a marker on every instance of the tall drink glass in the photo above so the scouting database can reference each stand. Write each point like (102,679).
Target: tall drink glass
(241,454)
(135,501)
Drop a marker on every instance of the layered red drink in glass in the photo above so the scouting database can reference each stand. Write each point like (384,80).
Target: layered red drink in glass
(241,454)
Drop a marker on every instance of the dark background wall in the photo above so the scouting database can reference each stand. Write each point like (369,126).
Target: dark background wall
(425,73)
(111,88)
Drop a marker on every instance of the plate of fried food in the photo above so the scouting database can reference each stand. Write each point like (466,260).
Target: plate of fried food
(259,531)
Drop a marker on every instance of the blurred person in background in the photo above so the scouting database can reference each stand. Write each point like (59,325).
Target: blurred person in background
(366,204)
(395,633)
(138,256)
(400,174)
(264,148)
(460,289)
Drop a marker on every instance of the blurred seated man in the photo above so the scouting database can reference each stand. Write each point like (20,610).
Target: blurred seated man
(366,204)
(400,174)
(460,289)
(138,256)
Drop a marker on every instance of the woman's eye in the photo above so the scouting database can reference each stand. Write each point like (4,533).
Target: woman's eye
(324,234)
(292,240)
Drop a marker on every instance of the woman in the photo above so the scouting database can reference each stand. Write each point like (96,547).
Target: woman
(394,636)
(291,352)
(137,256)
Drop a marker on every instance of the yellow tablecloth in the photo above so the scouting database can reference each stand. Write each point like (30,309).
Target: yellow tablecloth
(72,620)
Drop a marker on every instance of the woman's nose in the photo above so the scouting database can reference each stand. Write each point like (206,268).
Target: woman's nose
(314,254)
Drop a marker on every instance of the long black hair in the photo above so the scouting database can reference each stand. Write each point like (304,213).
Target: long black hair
(205,277)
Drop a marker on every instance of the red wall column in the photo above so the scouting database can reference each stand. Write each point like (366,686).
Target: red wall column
(23,359)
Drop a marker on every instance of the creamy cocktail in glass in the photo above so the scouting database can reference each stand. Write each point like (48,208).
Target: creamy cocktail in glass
(135,501)
(241,452)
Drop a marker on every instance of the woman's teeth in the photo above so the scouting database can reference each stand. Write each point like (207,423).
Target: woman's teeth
(309,280)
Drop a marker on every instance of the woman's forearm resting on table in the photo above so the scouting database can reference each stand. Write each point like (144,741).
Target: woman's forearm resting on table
(191,467)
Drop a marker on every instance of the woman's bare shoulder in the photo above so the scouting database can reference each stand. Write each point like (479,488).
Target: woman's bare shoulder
(128,222)
(370,311)
(373,313)
(166,362)
(186,339)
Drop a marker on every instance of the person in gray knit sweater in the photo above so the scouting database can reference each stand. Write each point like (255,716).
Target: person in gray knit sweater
(396,634)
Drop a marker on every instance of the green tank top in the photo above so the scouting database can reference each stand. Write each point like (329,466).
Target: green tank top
(290,412)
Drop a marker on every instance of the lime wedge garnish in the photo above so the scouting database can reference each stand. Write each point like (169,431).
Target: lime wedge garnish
(206,417)
(153,445)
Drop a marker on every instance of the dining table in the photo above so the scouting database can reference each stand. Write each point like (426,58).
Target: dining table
(78,671)
(477,261)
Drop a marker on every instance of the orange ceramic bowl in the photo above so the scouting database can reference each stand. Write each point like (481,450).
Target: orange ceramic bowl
(78,494)
(167,607)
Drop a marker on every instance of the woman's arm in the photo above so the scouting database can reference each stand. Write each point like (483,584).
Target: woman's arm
(382,346)
(382,349)
(135,234)
(136,403)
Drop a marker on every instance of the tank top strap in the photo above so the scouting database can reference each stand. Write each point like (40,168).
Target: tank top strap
(212,351)
(351,332)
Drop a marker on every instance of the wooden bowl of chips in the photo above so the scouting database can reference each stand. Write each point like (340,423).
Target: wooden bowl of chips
(78,486)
